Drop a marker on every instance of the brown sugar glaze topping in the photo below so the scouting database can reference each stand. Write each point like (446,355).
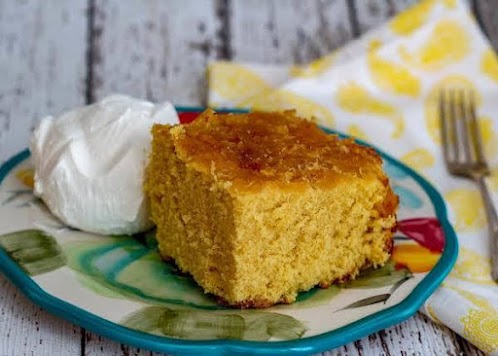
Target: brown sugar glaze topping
(279,147)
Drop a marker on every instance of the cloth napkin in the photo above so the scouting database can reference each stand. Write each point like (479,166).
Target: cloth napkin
(383,88)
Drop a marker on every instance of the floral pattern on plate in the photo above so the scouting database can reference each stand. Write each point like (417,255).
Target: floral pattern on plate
(122,279)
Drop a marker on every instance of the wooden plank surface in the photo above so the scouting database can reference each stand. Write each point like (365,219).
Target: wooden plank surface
(27,329)
(159,50)
(372,13)
(96,345)
(42,56)
(416,336)
(487,15)
(290,31)
(154,49)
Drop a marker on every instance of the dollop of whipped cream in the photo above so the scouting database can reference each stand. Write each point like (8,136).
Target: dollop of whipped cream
(89,163)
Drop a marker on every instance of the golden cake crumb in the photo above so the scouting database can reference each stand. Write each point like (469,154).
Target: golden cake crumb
(260,206)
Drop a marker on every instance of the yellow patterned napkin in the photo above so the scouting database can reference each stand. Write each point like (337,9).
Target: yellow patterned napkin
(382,88)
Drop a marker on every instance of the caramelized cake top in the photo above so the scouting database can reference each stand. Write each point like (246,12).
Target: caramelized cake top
(257,148)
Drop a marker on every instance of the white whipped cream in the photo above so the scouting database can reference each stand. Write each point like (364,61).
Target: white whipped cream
(89,163)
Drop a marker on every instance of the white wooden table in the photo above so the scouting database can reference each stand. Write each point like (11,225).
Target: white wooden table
(57,54)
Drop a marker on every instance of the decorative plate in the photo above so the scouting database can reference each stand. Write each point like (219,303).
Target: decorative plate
(117,286)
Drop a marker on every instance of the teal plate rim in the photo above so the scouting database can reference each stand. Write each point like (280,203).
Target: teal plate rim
(313,344)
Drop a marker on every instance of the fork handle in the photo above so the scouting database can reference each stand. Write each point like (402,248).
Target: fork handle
(492,225)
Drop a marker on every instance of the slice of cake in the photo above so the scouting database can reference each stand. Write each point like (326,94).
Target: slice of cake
(260,206)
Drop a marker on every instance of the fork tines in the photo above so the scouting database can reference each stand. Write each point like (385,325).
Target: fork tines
(461,138)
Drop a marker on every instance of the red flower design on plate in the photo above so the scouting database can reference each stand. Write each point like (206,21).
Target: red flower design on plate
(422,255)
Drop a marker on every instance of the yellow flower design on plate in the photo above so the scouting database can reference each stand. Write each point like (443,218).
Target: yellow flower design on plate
(419,159)
(468,209)
(489,64)
(355,99)
(416,258)
(390,76)
(447,44)
(481,328)
(472,267)
(27,177)
(315,68)
(431,107)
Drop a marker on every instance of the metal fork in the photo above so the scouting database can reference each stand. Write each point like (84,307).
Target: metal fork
(463,153)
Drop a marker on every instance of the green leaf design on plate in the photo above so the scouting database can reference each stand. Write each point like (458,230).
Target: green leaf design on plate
(399,283)
(380,277)
(201,325)
(261,326)
(33,250)
(381,298)
(190,324)
(146,319)
(98,287)
(15,194)
(123,266)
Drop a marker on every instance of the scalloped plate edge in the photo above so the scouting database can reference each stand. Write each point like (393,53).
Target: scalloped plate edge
(326,341)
